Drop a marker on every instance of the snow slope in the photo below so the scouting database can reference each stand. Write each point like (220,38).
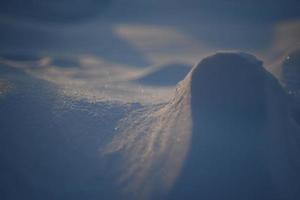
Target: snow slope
(226,134)
(49,143)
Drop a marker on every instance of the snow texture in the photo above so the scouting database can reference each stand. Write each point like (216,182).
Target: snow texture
(226,134)
(49,143)
(291,79)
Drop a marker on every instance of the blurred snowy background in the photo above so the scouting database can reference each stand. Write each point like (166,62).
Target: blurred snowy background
(70,70)
(97,49)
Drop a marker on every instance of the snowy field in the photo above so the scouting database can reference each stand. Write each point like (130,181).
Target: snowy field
(149,100)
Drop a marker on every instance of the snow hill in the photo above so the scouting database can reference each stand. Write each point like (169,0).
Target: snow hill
(226,134)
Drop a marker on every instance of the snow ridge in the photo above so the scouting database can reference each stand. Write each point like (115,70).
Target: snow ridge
(229,116)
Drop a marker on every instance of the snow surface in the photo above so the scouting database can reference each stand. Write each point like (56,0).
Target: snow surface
(93,79)
(49,142)
(79,121)
(226,133)
(290,76)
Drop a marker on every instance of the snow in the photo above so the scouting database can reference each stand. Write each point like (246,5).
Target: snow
(291,71)
(92,79)
(99,100)
(110,73)
(290,76)
(49,142)
(226,133)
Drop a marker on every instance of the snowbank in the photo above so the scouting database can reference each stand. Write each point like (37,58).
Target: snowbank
(226,134)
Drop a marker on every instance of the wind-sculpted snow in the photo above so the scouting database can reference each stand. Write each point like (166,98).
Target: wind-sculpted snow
(151,146)
(226,134)
(243,141)
(49,143)
(90,78)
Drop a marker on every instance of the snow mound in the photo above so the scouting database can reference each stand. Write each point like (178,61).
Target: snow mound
(226,134)
(239,113)
(227,81)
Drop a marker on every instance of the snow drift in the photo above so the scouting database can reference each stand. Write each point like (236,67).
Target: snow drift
(226,134)
(49,143)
